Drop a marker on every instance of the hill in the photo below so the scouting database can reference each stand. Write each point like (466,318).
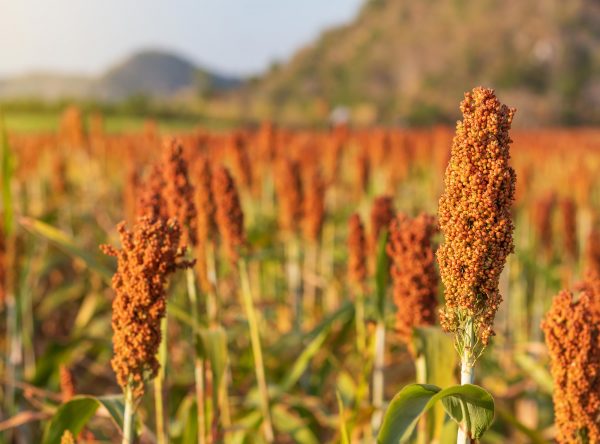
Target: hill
(410,62)
(152,73)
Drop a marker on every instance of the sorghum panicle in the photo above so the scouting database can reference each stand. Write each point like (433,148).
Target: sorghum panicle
(179,192)
(414,278)
(149,254)
(288,186)
(230,217)
(592,256)
(151,202)
(67,386)
(67,437)
(314,205)
(205,207)
(382,214)
(475,213)
(569,226)
(357,251)
(242,167)
(542,221)
(572,333)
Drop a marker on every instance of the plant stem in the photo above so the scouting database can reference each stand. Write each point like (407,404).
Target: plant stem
(198,361)
(421,376)
(161,432)
(467,373)
(128,433)
(294,274)
(378,376)
(361,334)
(256,349)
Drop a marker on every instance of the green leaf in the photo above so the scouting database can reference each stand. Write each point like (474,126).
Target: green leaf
(6,175)
(303,361)
(67,244)
(469,405)
(76,413)
(73,416)
(382,272)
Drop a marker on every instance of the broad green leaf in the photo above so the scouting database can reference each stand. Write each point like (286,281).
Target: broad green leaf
(76,413)
(67,244)
(6,174)
(381,275)
(469,405)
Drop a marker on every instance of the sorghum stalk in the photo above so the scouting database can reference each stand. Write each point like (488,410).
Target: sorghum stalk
(128,435)
(312,227)
(290,209)
(475,218)
(230,220)
(357,274)
(198,360)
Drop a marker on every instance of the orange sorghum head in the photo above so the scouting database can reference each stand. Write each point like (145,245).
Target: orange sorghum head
(205,207)
(149,254)
(151,202)
(67,437)
(357,251)
(569,226)
(288,186)
(130,191)
(382,213)
(572,333)
(542,221)
(413,273)
(475,213)
(179,192)
(230,217)
(314,205)
(592,256)
(363,172)
(67,386)
(242,167)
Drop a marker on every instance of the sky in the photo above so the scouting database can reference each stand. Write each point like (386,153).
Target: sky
(239,37)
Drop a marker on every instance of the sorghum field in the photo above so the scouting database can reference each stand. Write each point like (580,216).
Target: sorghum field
(275,285)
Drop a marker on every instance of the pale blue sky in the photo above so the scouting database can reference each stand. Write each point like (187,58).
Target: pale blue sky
(233,36)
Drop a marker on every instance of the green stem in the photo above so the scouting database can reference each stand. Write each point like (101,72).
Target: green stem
(256,349)
(378,376)
(161,432)
(294,273)
(421,376)
(467,373)
(198,361)
(128,433)
(361,333)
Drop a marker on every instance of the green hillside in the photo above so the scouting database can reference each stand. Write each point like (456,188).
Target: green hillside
(410,61)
